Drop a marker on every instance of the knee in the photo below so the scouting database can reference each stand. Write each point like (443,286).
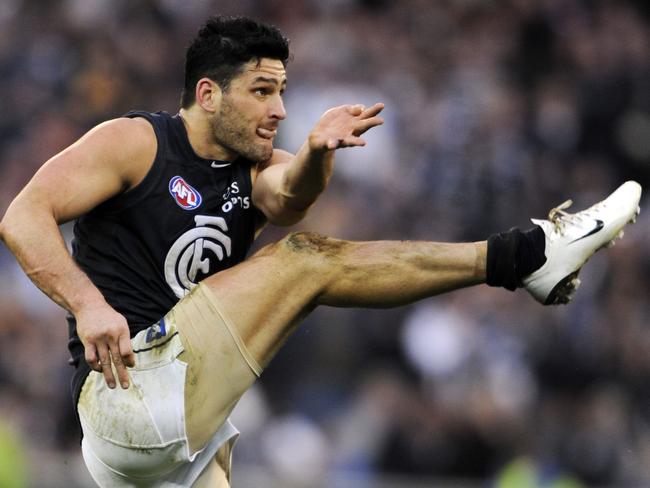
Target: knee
(309,246)
(313,243)
(308,256)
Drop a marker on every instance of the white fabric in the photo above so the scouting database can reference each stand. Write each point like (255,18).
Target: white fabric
(136,437)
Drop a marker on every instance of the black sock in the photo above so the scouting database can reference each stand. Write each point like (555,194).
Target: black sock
(513,255)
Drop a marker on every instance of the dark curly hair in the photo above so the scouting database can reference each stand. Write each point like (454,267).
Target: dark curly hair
(223,46)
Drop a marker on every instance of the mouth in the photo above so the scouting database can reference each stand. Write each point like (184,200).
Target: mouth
(266,133)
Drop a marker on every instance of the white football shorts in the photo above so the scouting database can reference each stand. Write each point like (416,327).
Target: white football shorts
(137,437)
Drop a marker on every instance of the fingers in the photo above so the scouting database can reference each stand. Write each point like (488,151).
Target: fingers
(366,118)
(365,124)
(350,141)
(126,350)
(92,358)
(103,354)
(362,112)
(372,111)
(105,361)
(355,109)
(341,126)
(120,368)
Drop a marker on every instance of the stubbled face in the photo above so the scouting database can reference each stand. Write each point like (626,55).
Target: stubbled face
(251,110)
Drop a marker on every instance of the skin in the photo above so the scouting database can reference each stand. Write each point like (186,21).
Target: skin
(92,170)
(281,283)
(243,120)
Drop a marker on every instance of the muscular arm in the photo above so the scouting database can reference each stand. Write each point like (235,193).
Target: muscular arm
(108,160)
(287,186)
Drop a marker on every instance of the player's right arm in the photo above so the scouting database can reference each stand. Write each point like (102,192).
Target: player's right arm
(110,159)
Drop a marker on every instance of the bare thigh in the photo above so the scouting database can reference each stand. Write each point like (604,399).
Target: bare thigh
(231,326)
(264,298)
(212,477)
(268,295)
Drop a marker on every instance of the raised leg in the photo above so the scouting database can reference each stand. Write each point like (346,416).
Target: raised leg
(270,293)
(263,299)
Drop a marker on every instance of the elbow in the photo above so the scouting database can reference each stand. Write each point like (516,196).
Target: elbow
(290,211)
(10,224)
(282,211)
(298,205)
(6,231)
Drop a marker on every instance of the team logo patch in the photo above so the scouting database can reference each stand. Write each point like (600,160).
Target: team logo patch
(195,253)
(156,331)
(186,197)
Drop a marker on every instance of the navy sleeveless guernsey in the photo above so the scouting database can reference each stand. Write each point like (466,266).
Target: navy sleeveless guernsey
(146,248)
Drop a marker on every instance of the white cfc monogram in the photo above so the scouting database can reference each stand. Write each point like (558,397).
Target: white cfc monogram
(192,251)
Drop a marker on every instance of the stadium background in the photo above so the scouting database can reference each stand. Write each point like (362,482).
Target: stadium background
(495,111)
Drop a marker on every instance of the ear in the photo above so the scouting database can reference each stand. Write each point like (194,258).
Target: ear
(208,95)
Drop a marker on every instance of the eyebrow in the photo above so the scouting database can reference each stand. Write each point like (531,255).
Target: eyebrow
(273,81)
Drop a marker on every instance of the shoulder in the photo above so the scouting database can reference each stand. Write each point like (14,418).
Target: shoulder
(128,145)
(111,158)
(136,132)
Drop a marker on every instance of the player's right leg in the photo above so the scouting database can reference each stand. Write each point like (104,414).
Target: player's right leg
(266,296)
(243,315)
(234,322)
(571,239)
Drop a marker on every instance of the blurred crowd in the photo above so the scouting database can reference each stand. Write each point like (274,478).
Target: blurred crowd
(496,111)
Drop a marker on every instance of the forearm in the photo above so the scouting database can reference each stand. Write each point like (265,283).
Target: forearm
(306,177)
(288,185)
(34,238)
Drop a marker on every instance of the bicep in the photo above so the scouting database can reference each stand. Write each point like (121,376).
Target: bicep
(98,166)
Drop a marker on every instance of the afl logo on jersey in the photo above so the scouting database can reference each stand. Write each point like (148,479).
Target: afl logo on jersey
(186,197)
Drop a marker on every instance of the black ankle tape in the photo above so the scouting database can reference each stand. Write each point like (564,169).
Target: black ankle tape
(513,255)
(501,249)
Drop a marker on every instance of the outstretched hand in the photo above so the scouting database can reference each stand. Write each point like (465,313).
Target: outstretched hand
(342,127)
(106,339)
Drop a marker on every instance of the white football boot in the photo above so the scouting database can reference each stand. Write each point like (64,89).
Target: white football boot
(571,239)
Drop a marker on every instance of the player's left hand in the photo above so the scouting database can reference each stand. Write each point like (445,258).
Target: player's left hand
(342,127)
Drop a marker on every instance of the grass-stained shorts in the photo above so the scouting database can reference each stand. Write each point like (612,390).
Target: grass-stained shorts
(137,437)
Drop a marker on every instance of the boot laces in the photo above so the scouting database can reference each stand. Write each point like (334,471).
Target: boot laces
(561,218)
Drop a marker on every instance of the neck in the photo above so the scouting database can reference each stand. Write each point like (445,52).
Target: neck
(199,133)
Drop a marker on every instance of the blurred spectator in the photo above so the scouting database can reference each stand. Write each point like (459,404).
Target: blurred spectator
(12,460)
(496,111)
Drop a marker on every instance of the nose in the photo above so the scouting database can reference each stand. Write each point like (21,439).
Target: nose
(276,109)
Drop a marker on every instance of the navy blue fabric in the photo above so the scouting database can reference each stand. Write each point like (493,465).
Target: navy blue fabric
(189,218)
